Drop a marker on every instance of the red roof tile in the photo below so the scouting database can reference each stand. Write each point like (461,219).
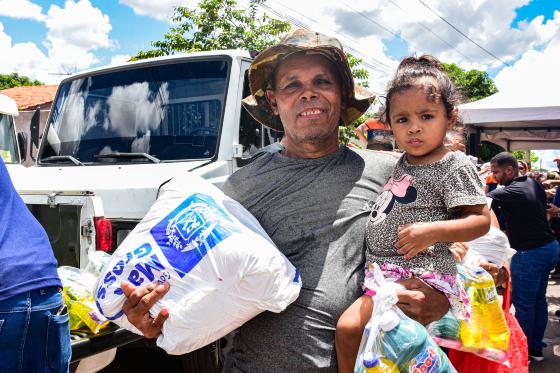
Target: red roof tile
(29,97)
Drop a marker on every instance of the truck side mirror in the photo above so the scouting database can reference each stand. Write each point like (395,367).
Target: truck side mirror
(34,127)
(22,145)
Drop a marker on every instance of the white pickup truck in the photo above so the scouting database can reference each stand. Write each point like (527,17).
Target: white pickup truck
(12,145)
(116,134)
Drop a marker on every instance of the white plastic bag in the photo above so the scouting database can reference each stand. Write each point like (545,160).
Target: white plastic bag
(222,267)
(493,247)
(392,342)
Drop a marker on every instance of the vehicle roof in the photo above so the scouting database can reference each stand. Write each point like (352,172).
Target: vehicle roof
(234,53)
(8,106)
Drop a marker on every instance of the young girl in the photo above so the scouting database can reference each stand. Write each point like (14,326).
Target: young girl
(433,198)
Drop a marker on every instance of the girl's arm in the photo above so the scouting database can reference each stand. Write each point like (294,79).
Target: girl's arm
(415,238)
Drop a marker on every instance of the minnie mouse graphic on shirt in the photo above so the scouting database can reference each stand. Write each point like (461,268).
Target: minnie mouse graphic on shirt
(398,190)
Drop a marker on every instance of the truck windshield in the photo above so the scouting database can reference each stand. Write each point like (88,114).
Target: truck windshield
(7,143)
(162,112)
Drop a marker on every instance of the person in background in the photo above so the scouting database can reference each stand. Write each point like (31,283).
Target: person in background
(523,203)
(34,331)
(523,168)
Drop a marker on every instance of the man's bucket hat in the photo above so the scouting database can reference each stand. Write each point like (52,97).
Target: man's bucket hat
(356,98)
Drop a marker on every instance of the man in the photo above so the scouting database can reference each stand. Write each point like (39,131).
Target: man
(34,333)
(313,199)
(523,202)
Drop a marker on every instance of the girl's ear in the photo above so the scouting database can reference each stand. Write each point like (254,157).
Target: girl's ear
(452,121)
(271,98)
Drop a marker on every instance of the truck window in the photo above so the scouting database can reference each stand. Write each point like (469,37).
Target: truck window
(7,143)
(253,135)
(164,112)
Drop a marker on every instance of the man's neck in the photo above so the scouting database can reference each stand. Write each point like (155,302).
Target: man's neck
(308,150)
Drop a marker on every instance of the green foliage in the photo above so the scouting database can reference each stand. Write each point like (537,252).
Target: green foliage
(361,75)
(474,84)
(217,24)
(520,154)
(487,150)
(16,80)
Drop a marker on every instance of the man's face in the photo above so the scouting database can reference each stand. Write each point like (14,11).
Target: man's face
(308,98)
(503,175)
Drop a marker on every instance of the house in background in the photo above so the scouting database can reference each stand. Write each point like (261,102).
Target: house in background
(31,100)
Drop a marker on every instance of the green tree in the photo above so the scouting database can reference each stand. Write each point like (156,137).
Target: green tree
(218,24)
(520,154)
(16,80)
(473,84)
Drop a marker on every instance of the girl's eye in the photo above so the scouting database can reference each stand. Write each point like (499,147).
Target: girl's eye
(401,120)
(427,116)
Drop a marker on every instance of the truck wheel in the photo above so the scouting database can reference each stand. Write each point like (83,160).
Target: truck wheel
(208,359)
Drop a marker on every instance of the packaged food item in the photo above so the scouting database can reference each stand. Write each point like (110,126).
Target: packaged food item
(222,267)
(392,342)
(77,293)
(486,333)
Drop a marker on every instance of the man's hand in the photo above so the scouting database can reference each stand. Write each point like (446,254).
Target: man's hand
(137,307)
(550,193)
(422,302)
(552,210)
(459,250)
(415,238)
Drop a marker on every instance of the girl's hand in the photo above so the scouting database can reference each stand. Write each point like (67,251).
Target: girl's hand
(415,238)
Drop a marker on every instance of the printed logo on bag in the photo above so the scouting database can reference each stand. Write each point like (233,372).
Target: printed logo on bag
(190,231)
(427,361)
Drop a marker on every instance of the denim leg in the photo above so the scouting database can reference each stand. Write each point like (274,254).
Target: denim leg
(32,337)
(14,327)
(529,280)
(48,345)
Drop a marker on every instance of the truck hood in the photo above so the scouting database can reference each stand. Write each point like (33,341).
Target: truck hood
(126,191)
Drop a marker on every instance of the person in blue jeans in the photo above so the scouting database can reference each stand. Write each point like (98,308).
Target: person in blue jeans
(523,203)
(34,332)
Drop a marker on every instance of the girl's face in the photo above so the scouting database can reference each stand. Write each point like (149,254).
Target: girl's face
(419,125)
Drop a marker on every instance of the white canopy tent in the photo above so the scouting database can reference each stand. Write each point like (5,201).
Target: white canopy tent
(515,120)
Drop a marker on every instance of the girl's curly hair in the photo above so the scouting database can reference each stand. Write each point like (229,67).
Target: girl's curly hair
(426,72)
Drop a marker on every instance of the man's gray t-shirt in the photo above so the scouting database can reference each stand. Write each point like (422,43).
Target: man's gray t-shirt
(315,210)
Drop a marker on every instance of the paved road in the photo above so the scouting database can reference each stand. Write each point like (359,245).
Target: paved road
(551,362)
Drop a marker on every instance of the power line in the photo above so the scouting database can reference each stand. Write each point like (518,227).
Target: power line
(380,66)
(432,32)
(463,34)
(381,26)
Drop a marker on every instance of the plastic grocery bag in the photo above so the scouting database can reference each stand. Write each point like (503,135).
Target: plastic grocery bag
(222,267)
(77,293)
(486,334)
(392,342)
(493,247)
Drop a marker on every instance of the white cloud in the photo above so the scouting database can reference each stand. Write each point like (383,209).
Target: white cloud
(536,71)
(120,58)
(158,9)
(22,9)
(74,32)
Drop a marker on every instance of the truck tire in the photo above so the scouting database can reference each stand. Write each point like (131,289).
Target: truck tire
(208,359)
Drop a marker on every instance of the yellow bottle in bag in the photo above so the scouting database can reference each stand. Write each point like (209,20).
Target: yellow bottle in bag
(487,327)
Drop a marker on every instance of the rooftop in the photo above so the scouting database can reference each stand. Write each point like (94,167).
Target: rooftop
(29,97)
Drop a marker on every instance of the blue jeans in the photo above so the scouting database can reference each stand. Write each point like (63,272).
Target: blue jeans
(529,278)
(33,338)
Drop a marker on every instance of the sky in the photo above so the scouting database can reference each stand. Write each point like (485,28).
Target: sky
(516,41)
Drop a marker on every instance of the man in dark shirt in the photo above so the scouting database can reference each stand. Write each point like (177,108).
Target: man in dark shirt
(523,202)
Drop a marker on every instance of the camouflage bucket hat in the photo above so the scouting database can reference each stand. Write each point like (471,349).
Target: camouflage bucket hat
(357,99)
